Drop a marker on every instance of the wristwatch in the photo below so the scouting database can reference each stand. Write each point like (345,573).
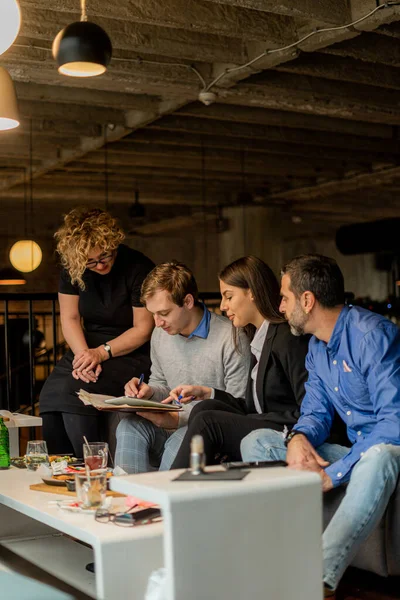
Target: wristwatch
(107,348)
(291,435)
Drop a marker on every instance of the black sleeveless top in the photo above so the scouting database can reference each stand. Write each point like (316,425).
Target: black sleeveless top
(106,309)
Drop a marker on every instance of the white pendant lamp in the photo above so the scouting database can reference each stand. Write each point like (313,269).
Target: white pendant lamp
(25,256)
(10,22)
(9,117)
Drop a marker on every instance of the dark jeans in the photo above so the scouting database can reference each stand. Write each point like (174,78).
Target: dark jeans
(222,427)
(64,432)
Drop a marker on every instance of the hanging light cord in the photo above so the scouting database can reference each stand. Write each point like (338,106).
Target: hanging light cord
(204,204)
(207,86)
(83,10)
(242,168)
(31,228)
(25,203)
(105,168)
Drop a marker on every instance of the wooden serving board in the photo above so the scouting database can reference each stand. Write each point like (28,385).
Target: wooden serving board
(62,490)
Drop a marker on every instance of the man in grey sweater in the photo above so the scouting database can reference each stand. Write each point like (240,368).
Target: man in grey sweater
(190,345)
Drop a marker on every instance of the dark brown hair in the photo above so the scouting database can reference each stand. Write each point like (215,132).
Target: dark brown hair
(318,274)
(253,273)
(175,278)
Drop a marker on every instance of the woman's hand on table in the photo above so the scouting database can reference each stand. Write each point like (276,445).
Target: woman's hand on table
(187,393)
(89,359)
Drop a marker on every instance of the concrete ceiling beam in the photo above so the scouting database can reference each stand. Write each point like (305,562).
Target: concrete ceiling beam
(326,11)
(302,94)
(288,135)
(337,68)
(134,37)
(276,118)
(84,97)
(280,165)
(347,185)
(251,153)
(193,15)
(369,47)
(89,144)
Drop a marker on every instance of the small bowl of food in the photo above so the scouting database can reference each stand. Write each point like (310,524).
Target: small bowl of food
(70,483)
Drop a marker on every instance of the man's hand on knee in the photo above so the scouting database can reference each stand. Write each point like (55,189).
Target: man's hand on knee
(302,455)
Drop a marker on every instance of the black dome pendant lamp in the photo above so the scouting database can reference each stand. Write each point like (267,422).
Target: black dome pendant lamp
(82,49)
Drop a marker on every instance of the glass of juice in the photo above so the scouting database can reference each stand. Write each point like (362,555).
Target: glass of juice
(91,491)
(95,455)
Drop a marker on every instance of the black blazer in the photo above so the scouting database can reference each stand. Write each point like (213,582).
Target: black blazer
(280,379)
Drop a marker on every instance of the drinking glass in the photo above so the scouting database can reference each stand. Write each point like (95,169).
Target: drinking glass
(36,454)
(91,491)
(95,455)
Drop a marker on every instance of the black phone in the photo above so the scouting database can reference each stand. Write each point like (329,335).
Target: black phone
(261,464)
(146,514)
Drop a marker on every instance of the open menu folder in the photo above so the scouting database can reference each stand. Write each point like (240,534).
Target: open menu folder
(126,403)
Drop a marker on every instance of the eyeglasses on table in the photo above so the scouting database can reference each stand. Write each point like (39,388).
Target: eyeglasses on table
(128,519)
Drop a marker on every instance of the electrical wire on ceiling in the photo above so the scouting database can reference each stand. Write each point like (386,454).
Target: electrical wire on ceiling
(206,95)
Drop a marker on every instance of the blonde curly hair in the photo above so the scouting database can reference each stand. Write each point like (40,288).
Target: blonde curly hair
(85,229)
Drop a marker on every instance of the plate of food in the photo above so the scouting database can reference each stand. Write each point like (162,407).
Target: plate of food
(59,458)
(58,479)
(18,461)
(68,479)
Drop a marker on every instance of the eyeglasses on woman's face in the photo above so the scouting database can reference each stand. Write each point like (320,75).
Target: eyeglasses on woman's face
(103,260)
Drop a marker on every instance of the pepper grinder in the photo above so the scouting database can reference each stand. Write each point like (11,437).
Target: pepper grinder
(197,457)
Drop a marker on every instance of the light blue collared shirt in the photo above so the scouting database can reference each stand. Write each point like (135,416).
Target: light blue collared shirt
(203,328)
(358,374)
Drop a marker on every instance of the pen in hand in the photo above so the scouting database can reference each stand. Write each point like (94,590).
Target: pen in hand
(141,379)
(138,386)
(177,401)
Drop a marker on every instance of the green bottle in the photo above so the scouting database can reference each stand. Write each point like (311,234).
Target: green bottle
(4,446)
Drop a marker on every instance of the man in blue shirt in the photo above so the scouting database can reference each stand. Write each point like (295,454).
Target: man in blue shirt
(354,367)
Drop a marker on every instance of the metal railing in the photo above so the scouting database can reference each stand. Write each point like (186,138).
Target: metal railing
(33,343)
(24,330)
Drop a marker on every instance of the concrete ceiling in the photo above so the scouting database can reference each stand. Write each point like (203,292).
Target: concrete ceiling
(313,129)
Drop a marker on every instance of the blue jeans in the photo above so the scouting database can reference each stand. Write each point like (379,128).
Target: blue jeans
(142,446)
(372,482)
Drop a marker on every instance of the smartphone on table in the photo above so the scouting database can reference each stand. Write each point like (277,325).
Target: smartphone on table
(261,464)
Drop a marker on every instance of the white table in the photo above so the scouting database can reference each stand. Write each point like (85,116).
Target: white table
(259,538)
(18,420)
(124,557)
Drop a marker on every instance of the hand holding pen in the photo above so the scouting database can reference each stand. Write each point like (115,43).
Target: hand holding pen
(183,394)
(136,388)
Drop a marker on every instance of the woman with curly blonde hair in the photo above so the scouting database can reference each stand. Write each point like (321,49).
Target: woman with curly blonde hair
(103,321)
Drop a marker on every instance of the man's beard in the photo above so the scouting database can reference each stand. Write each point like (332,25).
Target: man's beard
(297,321)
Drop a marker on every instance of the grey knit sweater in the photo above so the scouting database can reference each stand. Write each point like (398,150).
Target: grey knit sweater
(213,362)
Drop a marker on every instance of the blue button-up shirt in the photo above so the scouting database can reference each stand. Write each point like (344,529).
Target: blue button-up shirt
(203,328)
(358,374)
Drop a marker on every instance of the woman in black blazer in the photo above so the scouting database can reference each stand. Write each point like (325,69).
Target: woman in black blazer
(275,388)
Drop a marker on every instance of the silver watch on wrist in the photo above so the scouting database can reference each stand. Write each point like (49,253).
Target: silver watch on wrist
(107,348)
